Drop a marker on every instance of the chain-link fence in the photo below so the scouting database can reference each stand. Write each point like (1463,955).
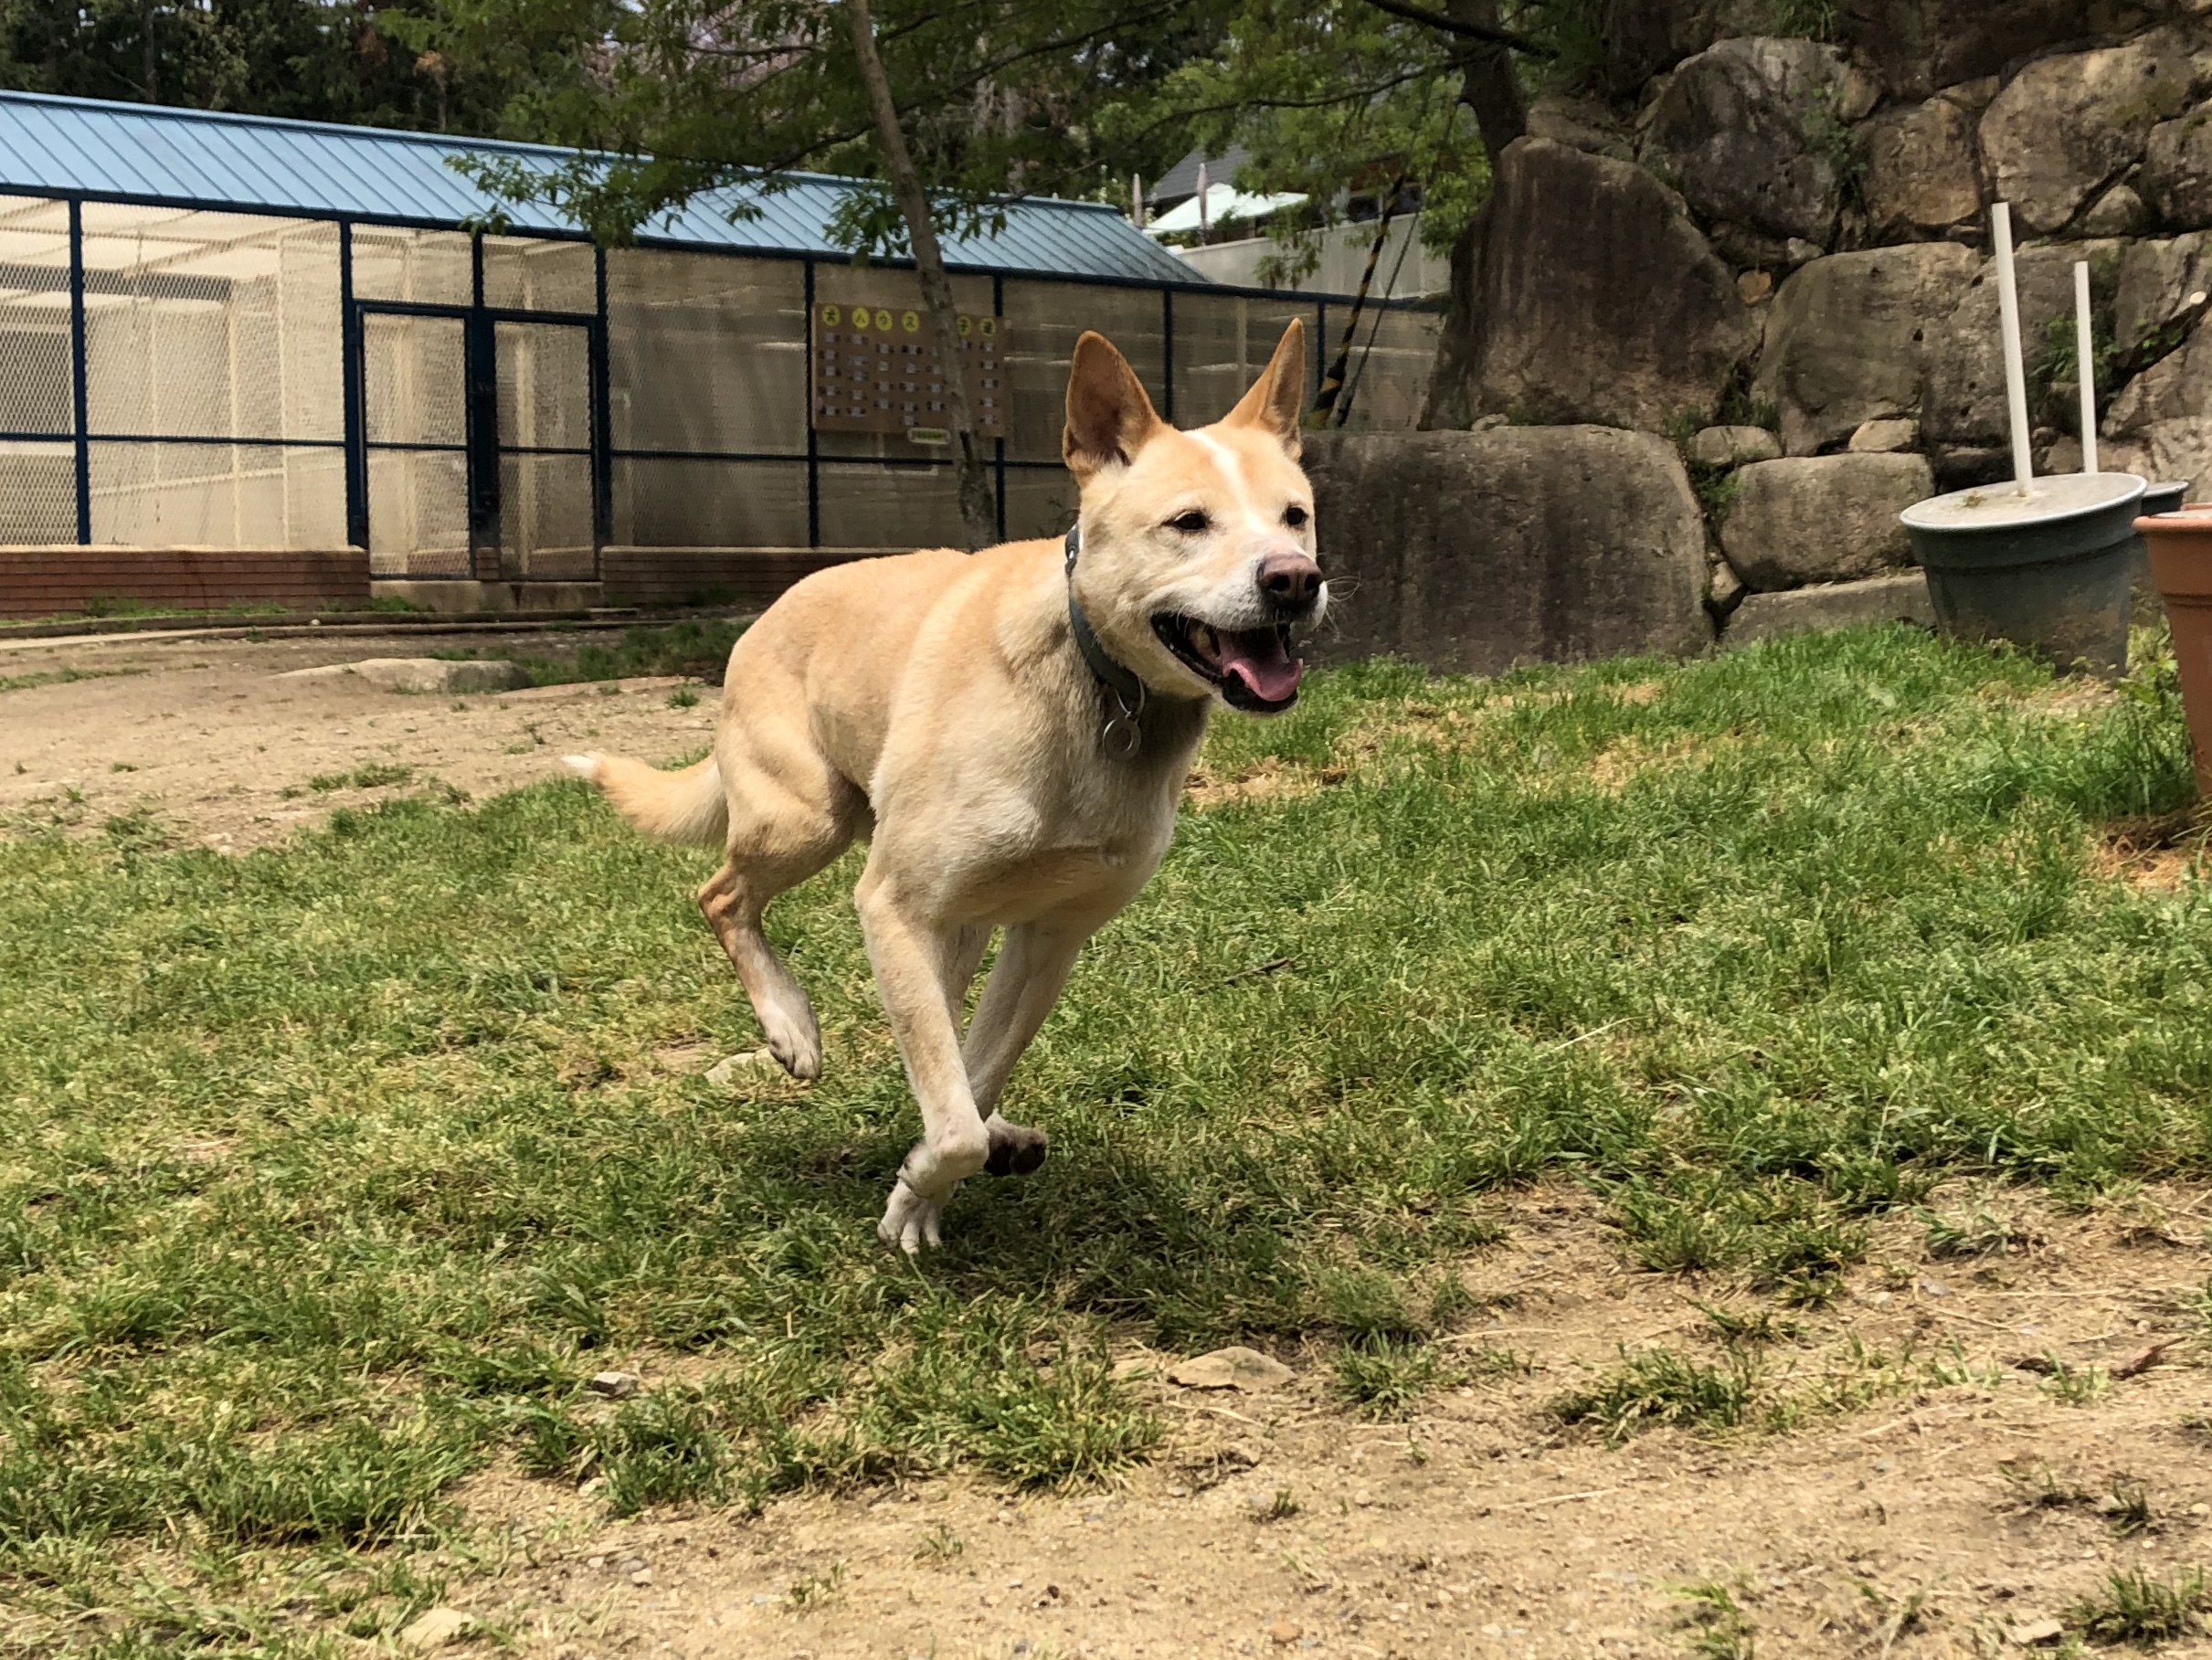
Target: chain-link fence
(478,406)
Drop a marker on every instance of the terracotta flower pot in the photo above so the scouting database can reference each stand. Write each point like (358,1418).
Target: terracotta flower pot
(2050,571)
(2181,569)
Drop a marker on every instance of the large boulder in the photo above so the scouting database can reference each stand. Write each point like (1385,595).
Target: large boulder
(2177,169)
(1920,175)
(2158,278)
(1739,130)
(1845,338)
(1963,401)
(1826,518)
(1581,291)
(2067,125)
(2160,425)
(1475,551)
(1899,597)
(1920,45)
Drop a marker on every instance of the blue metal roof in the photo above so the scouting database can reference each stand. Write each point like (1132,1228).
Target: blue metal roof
(249,164)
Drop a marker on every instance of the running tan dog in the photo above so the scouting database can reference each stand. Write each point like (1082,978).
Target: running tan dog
(1010,730)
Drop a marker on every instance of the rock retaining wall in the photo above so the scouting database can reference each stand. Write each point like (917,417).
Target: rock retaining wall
(1773,251)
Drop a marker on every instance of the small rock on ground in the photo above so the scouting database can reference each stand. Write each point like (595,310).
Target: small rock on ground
(615,1386)
(1231,1367)
(1285,1631)
(2028,1634)
(726,1071)
(424,673)
(435,1629)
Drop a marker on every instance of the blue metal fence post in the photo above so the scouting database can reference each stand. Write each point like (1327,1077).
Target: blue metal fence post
(813,446)
(353,369)
(1167,354)
(81,419)
(602,408)
(998,309)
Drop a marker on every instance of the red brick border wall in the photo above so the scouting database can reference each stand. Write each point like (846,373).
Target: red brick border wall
(715,576)
(42,581)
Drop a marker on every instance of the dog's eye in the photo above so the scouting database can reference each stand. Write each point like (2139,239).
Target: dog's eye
(1190,523)
(1293,515)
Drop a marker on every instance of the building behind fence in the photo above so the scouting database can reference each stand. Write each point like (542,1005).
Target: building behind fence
(347,377)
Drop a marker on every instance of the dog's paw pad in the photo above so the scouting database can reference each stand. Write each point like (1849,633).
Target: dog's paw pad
(1018,1151)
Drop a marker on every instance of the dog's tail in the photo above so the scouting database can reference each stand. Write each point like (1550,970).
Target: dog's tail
(685,806)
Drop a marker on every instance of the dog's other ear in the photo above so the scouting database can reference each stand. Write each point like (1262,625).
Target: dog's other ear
(1277,399)
(1109,418)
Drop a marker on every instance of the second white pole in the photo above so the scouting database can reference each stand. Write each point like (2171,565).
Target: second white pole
(2085,366)
(2008,319)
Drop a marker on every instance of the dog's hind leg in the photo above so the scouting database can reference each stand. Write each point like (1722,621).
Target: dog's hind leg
(777,840)
(1025,982)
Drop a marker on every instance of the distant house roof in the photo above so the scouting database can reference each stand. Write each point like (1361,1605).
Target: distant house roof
(245,164)
(1180,183)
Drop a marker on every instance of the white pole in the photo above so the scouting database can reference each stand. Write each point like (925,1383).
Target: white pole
(2085,366)
(1137,200)
(2008,318)
(1205,213)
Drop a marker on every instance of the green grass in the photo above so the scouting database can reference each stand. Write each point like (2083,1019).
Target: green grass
(2131,1607)
(696,647)
(333,1170)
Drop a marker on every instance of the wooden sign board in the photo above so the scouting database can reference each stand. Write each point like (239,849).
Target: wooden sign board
(876,370)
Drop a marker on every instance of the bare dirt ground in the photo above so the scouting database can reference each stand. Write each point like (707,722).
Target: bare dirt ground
(1906,1486)
(199,730)
(1933,1499)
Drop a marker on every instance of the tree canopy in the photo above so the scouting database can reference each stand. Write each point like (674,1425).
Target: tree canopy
(347,61)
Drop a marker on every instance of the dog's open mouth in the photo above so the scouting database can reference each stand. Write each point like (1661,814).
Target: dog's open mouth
(1253,666)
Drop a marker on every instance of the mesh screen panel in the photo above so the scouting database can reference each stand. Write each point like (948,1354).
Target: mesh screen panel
(1043,321)
(544,517)
(413,380)
(429,266)
(864,506)
(1040,502)
(35,393)
(38,493)
(1388,389)
(217,495)
(1221,343)
(706,352)
(211,325)
(660,502)
(545,386)
(418,514)
(525,275)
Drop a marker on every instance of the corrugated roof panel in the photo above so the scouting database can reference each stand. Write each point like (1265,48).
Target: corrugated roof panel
(193,158)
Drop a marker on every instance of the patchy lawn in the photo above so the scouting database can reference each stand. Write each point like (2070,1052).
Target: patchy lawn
(333,1167)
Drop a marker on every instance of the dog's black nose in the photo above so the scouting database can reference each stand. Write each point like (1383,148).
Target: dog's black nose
(1290,579)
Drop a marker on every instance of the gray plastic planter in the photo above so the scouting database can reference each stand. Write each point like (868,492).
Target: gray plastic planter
(2050,570)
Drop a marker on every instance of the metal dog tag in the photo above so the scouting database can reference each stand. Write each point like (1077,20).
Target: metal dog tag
(1121,736)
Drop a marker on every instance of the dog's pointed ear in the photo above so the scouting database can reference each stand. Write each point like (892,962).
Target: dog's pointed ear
(1109,418)
(1277,399)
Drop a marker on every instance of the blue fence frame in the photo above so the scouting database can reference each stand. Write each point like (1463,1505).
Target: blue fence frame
(483,447)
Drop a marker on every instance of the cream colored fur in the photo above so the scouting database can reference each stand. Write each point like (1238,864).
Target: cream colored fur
(935,705)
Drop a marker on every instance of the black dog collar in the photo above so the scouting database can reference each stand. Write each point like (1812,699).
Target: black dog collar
(1125,692)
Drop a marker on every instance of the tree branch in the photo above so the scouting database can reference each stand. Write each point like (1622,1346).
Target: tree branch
(1470,31)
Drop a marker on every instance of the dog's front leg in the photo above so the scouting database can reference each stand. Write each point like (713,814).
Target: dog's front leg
(1025,984)
(916,963)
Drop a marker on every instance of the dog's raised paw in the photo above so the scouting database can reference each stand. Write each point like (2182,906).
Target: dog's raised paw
(1016,1150)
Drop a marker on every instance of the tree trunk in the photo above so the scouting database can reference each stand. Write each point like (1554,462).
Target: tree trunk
(978,500)
(1488,87)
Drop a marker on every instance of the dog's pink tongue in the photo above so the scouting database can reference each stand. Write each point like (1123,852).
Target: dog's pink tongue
(1256,657)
